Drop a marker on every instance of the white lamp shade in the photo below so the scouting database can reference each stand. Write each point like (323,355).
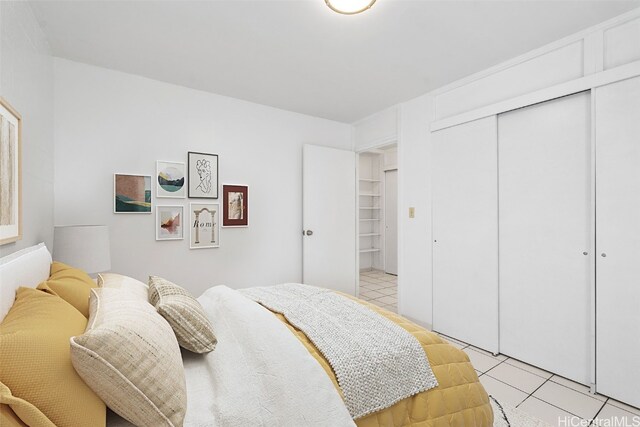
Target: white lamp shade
(83,246)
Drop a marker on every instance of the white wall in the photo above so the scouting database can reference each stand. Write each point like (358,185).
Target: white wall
(26,82)
(414,234)
(108,121)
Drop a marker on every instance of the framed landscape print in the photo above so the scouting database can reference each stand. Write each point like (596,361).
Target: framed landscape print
(170,180)
(203,175)
(204,225)
(169,222)
(10,174)
(235,205)
(131,193)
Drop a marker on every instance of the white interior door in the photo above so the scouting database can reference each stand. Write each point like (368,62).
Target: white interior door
(329,218)
(465,233)
(618,228)
(545,235)
(391,222)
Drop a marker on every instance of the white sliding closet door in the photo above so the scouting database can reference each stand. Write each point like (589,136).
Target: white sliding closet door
(545,235)
(618,225)
(465,232)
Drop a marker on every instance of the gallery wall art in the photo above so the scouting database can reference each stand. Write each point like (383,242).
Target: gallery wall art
(10,174)
(235,205)
(169,222)
(131,193)
(203,175)
(170,180)
(204,225)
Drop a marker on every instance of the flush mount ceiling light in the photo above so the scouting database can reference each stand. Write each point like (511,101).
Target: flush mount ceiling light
(349,7)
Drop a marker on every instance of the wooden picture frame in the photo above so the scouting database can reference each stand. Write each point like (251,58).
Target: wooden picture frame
(204,225)
(10,173)
(131,194)
(202,175)
(235,205)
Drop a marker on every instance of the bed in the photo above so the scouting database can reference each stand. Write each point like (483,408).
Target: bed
(266,371)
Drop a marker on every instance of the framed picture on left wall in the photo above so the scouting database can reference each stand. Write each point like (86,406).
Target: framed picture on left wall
(169,222)
(10,174)
(131,193)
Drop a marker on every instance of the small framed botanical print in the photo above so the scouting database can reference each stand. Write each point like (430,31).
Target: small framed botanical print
(169,222)
(10,174)
(131,193)
(204,225)
(203,175)
(235,205)
(170,180)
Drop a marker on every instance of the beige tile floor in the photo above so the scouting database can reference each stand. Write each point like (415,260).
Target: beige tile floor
(549,397)
(380,289)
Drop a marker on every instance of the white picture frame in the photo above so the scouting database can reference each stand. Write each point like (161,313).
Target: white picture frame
(129,197)
(169,222)
(171,180)
(204,225)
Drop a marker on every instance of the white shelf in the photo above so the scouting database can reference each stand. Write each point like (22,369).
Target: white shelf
(369,234)
(362,251)
(370,194)
(369,219)
(369,207)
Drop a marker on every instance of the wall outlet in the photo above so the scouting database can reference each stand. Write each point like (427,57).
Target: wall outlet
(412,212)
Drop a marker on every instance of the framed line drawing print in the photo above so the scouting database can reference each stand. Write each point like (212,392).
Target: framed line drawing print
(169,222)
(170,180)
(131,193)
(235,205)
(10,174)
(204,225)
(202,175)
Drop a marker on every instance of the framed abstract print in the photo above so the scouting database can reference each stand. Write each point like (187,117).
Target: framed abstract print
(203,175)
(235,205)
(169,222)
(10,174)
(204,224)
(170,180)
(131,193)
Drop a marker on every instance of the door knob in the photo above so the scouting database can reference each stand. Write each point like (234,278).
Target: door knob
(309,233)
(604,255)
(585,253)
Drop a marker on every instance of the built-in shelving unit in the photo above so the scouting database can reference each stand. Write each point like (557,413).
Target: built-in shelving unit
(370,210)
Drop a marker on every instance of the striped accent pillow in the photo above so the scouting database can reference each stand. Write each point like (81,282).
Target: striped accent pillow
(184,313)
(130,358)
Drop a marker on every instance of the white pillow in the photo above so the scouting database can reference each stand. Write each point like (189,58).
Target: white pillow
(28,267)
(129,284)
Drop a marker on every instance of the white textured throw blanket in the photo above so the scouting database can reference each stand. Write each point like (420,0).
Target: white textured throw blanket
(377,362)
(260,374)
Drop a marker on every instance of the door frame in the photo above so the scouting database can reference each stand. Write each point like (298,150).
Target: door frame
(384,254)
(377,147)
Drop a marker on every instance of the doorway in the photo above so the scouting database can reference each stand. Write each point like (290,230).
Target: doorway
(378,226)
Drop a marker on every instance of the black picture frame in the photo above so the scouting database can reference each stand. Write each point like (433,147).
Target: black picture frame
(203,178)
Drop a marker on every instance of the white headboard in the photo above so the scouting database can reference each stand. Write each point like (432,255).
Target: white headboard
(27,267)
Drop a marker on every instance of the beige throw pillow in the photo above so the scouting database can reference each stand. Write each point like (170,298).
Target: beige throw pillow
(184,313)
(129,284)
(129,357)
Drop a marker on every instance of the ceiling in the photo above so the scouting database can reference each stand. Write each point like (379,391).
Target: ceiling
(300,56)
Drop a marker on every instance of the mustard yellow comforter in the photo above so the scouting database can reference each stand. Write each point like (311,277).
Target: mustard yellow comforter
(459,399)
